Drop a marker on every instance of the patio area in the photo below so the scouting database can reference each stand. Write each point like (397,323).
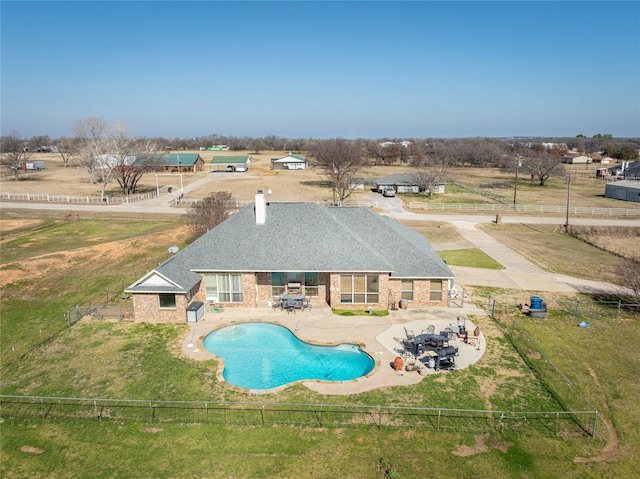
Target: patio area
(381,337)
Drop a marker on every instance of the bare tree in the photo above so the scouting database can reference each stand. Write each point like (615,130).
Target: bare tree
(341,160)
(209,212)
(92,142)
(541,166)
(67,149)
(630,275)
(140,157)
(14,152)
(431,172)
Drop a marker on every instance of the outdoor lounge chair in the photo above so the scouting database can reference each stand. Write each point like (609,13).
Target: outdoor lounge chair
(409,333)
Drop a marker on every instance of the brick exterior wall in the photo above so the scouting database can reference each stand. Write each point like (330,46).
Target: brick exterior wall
(146,309)
(257,292)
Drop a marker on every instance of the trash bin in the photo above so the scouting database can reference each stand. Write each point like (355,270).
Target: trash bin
(536,302)
(404,303)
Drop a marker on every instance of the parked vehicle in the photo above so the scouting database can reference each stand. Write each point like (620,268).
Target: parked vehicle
(389,191)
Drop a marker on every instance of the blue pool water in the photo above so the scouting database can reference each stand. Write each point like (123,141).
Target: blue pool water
(265,356)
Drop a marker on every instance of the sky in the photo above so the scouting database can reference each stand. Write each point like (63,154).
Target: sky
(322,69)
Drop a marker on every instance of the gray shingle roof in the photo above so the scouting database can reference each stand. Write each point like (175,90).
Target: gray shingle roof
(308,237)
(405,179)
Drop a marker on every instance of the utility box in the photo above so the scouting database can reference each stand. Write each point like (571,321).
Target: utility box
(195,311)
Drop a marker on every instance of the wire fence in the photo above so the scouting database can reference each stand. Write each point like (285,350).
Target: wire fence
(548,374)
(578,308)
(309,415)
(51,329)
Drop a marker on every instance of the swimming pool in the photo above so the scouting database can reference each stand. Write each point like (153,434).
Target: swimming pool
(265,356)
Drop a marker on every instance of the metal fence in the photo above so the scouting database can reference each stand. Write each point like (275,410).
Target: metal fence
(309,415)
(506,208)
(578,308)
(47,198)
(42,335)
(51,329)
(549,375)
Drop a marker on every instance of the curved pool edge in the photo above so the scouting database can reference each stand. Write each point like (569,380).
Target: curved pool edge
(220,361)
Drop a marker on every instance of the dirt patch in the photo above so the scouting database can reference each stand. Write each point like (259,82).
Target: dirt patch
(105,253)
(480,447)
(152,430)
(31,450)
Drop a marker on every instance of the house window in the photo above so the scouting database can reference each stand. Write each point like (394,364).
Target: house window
(359,288)
(435,293)
(224,288)
(167,301)
(291,281)
(407,289)
(311,284)
(277,283)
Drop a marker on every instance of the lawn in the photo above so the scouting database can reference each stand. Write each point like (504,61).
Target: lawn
(473,257)
(144,361)
(556,252)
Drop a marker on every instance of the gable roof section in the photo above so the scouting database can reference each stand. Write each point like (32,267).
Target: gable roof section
(230,160)
(289,159)
(170,277)
(306,237)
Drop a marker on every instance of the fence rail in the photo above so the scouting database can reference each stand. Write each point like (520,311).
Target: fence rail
(47,198)
(502,208)
(569,397)
(268,414)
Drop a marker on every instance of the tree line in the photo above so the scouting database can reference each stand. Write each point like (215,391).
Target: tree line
(109,153)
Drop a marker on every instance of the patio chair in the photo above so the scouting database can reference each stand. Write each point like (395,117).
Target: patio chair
(431,329)
(306,303)
(276,303)
(409,333)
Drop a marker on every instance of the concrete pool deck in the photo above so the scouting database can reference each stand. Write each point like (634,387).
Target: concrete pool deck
(378,336)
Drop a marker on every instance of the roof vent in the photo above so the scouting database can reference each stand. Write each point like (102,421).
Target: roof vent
(261,208)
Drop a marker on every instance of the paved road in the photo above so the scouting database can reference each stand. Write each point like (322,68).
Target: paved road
(519,272)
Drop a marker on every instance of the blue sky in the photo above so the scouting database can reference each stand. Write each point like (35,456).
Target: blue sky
(323,69)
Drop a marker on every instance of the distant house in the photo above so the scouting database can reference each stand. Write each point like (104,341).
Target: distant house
(182,162)
(403,183)
(576,160)
(344,257)
(626,169)
(230,164)
(289,162)
(626,190)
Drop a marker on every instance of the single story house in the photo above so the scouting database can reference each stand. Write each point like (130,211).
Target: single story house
(403,183)
(626,169)
(575,160)
(346,257)
(289,162)
(626,190)
(230,164)
(182,162)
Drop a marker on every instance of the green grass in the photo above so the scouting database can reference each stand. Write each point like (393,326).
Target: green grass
(359,312)
(144,361)
(48,280)
(550,249)
(473,257)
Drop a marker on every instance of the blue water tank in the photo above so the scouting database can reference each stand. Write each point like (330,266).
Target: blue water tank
(536,302)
